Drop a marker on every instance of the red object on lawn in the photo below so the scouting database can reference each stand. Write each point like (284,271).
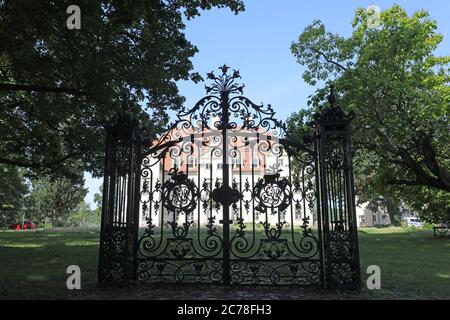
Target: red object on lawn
(27,225)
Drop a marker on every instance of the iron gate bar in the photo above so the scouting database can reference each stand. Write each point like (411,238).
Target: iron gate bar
(286,251)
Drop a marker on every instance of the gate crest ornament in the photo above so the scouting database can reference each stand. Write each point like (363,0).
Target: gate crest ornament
(273,193)
(180,193)
(228,198)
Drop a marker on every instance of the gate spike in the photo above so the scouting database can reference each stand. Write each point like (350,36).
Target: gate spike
(332,96)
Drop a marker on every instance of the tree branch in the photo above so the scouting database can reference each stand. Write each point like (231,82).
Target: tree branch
(320,53)
(421,174)
(33,88)
(131,36)
(37,165)
(405,182)
(432,164)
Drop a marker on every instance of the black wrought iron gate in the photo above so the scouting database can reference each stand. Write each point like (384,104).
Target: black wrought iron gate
(225,196)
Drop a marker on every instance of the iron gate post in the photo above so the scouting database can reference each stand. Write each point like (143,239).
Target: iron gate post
(339,224)
(119,221)
(226,182)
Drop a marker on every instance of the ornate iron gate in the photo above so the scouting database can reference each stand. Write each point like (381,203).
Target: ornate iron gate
(228,198)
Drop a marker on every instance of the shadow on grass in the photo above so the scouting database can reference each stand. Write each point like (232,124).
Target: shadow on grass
(33,265)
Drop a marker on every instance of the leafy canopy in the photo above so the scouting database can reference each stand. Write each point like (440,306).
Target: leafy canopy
(59,86)
(13,189)
(398,88)
(55,199)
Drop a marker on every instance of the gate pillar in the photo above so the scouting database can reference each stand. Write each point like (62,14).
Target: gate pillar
(339,224)
(120,214)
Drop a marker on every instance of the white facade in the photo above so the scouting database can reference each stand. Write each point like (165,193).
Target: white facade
(369,218)
(210,171)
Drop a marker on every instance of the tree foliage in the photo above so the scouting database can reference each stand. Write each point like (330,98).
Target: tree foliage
(59,86)
(13,189)
(399,90)
(55,199)
(83,216)
(98,198)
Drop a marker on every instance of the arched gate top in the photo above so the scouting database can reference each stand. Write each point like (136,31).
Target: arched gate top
(224,108)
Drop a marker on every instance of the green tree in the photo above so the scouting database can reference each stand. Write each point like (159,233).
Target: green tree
(98,198)
(55,199)
(13,189)
(83,216)
(59,86)
(398,88)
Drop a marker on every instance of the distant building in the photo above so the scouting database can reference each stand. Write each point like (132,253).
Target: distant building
(368,218)
(204,165)
(379,218)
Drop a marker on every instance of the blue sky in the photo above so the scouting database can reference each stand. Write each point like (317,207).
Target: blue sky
(257,43)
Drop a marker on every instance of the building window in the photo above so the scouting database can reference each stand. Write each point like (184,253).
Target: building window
(255,162)
(192,161)
(176,162)
(220,166)
(206,166)
(236,162)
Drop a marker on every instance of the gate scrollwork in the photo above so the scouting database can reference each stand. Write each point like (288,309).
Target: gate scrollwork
(227,198)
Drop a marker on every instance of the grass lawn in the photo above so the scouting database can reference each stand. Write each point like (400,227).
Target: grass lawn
(413,264)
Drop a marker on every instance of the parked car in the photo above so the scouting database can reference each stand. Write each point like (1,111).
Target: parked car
(413,222)
(27,225)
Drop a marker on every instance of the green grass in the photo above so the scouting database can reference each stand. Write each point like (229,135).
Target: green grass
(33,264)
(413,264)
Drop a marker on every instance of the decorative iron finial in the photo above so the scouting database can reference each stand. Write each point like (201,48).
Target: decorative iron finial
(332,112)
(224,69)
(332,96)
(224,83)
(226,107)
(125,117)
